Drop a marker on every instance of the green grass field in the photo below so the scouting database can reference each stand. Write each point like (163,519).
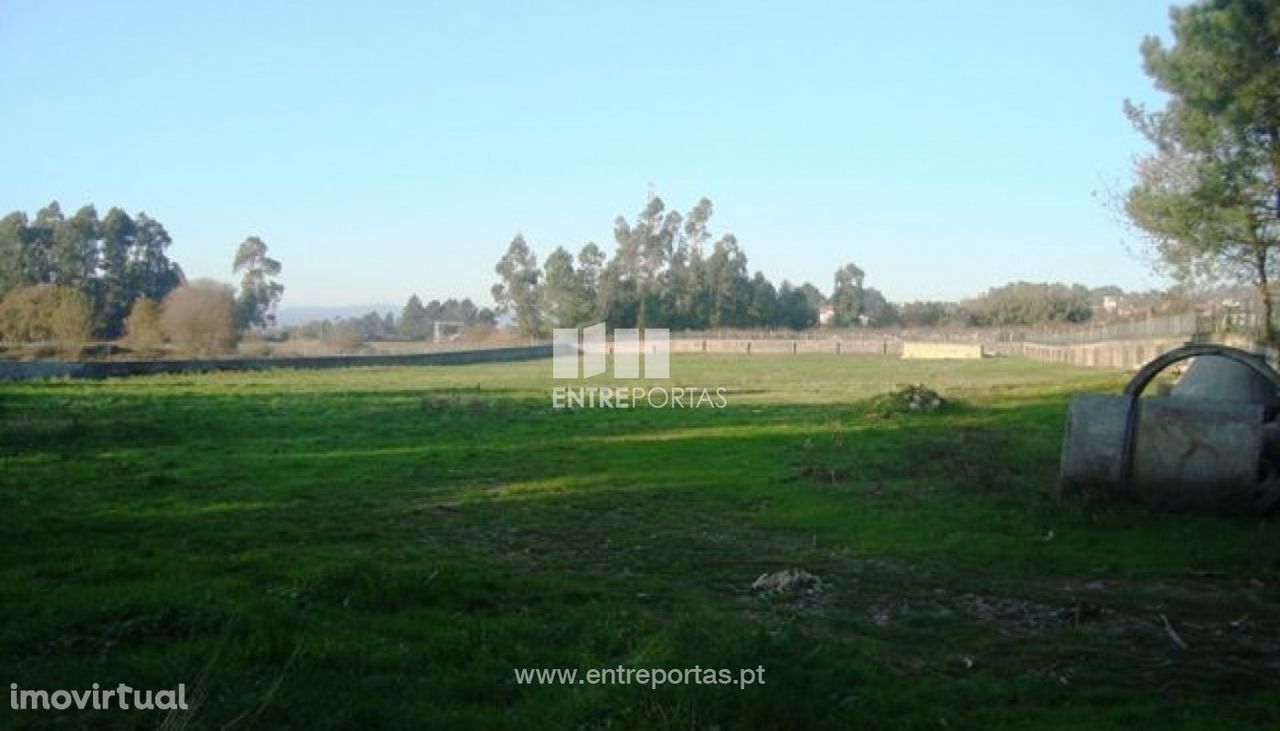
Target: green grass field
(382,548)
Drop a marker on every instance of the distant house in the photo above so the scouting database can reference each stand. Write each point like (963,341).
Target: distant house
(1117,305)
(826,314)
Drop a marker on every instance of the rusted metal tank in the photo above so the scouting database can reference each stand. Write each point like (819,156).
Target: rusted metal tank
(1211,445)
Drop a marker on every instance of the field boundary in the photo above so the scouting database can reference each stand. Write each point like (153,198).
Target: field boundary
(786,346)
(29,370)
(1121,354)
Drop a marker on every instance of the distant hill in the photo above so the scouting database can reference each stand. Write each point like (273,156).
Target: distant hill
(300,314)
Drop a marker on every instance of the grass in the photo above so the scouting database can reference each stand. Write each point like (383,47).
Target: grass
(381,548)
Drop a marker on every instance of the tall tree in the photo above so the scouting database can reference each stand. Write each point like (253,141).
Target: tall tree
(728,288)
(591,262)
(659,229)
(259,291)
(878,311)
(414,324)
(519,290)
(113,291)
(682,287)
(13,243)
(619,291)
(150,271)
(689,306)
(762,306)
(560,288)
(1208,197)
(814,296)
(847,294)
(38,262)
(644,250)
(74,255)
(795,311)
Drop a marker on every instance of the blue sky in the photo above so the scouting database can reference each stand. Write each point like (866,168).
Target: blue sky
(388,148)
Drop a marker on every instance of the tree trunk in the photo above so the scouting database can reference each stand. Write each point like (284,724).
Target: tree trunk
(1268,330)
(1264,288)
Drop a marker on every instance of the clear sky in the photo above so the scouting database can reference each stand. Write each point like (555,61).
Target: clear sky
(388,148)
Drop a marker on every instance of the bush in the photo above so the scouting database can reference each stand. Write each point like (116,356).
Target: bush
(253,345)
(906,400)
(344,339)
(45,313)
(142,326)
(1031,303)
(200,317)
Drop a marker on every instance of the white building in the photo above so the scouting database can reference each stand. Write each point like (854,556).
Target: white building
(826,314)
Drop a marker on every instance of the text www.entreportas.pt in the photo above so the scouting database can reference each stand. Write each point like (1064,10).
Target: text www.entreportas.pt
(652,677)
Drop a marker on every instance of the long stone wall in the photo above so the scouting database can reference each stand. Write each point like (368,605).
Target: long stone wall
(780,346)
(24,370)
(1124,354)
(1132,354)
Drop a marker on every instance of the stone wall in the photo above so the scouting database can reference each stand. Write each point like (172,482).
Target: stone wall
(940,351)
(1123,354)
(781,346)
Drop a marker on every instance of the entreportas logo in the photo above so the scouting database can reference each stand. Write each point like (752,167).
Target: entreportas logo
(627,348)
(582,354)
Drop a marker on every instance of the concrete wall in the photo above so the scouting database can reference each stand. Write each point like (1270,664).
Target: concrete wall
(1124,354)
(781,346)
(1133,354)
(964,351)
(23,370)
(1005,348)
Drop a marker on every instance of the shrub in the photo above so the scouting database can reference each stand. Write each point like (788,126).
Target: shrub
(344,339)
(45,313)
(906,400)
(199,317)
(142,326)
(253,345)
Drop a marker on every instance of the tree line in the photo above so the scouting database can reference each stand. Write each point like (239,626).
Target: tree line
(67,279)
(1031,303)
(668,270)
(99,264)
(416,322)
